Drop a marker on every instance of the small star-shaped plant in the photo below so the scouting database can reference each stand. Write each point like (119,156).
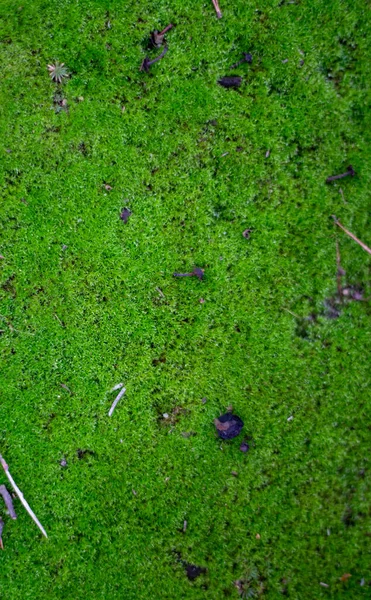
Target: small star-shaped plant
(57,72)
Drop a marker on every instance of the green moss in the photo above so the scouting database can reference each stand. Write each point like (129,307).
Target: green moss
(188,158)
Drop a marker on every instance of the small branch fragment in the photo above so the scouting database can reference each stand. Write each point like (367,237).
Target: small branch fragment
(351,235)
(217,9)
(117,387)
(291,313)
(147,62)
(350,171)
(21,497)
(197,272)
(115,402)
(8,501)
(233,81)
(65,387)
(158,37)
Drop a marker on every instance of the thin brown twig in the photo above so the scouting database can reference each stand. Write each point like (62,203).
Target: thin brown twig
(167,28)
(350,171)
(217,9)
(351,235)
(342,195)
(13,329)
(21,497)
(291,313)
(147,62)
(58,319)
(8,501)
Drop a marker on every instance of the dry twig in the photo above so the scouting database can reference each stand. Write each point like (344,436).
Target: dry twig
(21,497)
(291,313)
(351,235)
(350,172)
(115,402)
(217,9)
(118,386)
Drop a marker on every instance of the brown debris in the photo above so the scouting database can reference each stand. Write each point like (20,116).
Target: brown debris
(8,502)
(233,81)
(197,272)
(193,571)
(125,214)
(147,62)
(350,172)
(228,426)
(247,57)
(158,37)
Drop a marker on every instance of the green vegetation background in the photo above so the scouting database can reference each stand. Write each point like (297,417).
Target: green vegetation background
(188,158)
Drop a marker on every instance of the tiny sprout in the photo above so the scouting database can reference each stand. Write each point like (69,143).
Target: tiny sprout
(57,72)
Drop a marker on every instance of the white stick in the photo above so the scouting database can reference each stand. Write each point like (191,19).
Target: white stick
(116,387)
(115,402)
(21,497)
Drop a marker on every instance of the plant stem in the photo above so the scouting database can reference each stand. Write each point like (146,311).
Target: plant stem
(21,497)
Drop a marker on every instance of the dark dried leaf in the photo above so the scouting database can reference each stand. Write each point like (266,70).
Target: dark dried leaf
(125,214)
(233,81)
(193,571)
(246,233)
(228,426)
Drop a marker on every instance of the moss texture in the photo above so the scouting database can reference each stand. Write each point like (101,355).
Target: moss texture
(88,301)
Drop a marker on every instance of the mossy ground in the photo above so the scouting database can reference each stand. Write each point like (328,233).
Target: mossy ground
(188,158)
